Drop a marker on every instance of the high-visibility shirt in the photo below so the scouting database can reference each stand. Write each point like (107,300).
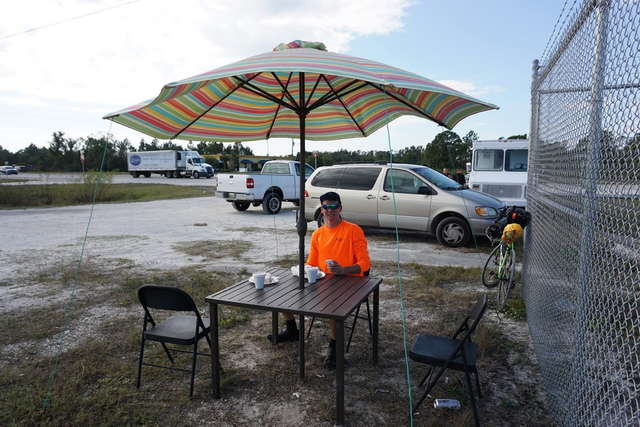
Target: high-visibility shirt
(344,244)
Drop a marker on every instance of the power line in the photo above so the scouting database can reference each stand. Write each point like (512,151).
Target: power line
(68,20)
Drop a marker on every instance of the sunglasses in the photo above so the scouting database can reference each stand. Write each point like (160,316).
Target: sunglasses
(332,206)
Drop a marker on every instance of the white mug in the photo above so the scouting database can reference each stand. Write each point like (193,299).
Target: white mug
(258,279)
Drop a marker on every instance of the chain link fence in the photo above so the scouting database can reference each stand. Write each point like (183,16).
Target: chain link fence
(581,280)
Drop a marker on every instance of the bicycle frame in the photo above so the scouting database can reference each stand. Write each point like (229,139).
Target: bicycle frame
(505,248)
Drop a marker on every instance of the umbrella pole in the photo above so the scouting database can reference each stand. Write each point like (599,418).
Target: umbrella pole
(302,222)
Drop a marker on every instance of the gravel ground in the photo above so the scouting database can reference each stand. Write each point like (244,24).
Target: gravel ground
(145,233)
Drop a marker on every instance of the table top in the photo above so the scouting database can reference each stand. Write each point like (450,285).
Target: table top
(332,297)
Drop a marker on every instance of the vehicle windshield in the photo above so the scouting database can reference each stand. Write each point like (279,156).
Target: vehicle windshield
(197,160)
(437,179)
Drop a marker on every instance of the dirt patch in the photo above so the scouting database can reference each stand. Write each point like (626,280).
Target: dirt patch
(260,382)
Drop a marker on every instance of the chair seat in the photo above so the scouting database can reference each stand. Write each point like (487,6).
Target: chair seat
(177,330)
(435,350)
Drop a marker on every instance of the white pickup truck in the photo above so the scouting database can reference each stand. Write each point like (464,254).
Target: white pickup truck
(278,181)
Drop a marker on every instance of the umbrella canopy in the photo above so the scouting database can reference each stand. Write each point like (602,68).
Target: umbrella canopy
(259,98)
(299,90)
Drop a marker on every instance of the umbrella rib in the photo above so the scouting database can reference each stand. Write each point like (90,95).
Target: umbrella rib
(285,92)
(333,94)
(261,92)
(402,100)
(242,83)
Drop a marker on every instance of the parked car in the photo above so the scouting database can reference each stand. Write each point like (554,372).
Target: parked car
(278,181)
(21,168)
(8,170)
(424,200)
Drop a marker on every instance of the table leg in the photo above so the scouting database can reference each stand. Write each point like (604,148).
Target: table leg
(376,320)
(274,327)
(340,372)
(301,347)
(215,351)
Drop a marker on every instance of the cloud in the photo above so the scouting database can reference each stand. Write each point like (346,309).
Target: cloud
(30,101)
(469,87)
(124,55)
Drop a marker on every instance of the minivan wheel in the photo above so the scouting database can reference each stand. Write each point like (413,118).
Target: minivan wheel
(453,232)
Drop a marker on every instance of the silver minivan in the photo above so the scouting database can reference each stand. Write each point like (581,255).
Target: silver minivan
(418,197)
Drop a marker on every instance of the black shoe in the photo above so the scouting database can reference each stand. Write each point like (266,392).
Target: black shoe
(330,360)
(285,335)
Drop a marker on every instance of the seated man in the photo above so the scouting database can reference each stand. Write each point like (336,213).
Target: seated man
(345,244)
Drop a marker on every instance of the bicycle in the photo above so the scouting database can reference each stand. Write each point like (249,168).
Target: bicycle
(500,268)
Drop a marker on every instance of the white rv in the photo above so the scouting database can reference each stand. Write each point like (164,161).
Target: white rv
(499,168)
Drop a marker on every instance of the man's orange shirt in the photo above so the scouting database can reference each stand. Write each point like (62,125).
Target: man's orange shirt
(344,244)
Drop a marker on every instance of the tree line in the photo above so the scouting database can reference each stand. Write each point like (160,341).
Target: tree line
(63,154)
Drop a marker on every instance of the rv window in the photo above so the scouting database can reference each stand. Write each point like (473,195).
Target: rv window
(488,160)
(516,160)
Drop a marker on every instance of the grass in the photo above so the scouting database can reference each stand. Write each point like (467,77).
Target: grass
(95,379)
(82,192)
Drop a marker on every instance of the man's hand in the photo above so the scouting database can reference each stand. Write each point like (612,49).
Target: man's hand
(336,268)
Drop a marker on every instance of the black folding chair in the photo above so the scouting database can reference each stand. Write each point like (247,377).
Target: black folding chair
(458,353)
(178,329)
(356,316)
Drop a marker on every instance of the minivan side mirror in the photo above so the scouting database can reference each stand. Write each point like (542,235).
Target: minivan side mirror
(425,190)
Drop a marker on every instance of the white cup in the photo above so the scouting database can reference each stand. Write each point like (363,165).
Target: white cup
(258,279)
(312,274)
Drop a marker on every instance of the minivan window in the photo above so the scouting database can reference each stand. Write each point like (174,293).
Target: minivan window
(327,177)
(357,178)
(437,179)
(403,182)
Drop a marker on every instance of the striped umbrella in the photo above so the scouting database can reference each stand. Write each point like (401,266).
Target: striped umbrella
(299,90)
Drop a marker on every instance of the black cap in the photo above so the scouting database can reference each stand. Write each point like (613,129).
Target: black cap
(331,195)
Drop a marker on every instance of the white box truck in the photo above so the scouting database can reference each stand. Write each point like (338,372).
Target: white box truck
(499,168)
(170,163)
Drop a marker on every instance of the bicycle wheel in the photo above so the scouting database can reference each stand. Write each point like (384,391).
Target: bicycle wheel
(490,271)
(506,281)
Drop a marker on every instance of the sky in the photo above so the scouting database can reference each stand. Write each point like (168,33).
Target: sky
(65,64)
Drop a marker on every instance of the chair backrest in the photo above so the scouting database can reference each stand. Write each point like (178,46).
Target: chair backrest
(166,298)
(476,313)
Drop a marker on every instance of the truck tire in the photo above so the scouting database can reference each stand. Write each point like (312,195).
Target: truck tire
(196,175)
(453,232)
(147,174)
(135,174)
(168,174)
(272,203)
(240,206)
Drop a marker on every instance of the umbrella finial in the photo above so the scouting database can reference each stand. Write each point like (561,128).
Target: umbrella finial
(300,43)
